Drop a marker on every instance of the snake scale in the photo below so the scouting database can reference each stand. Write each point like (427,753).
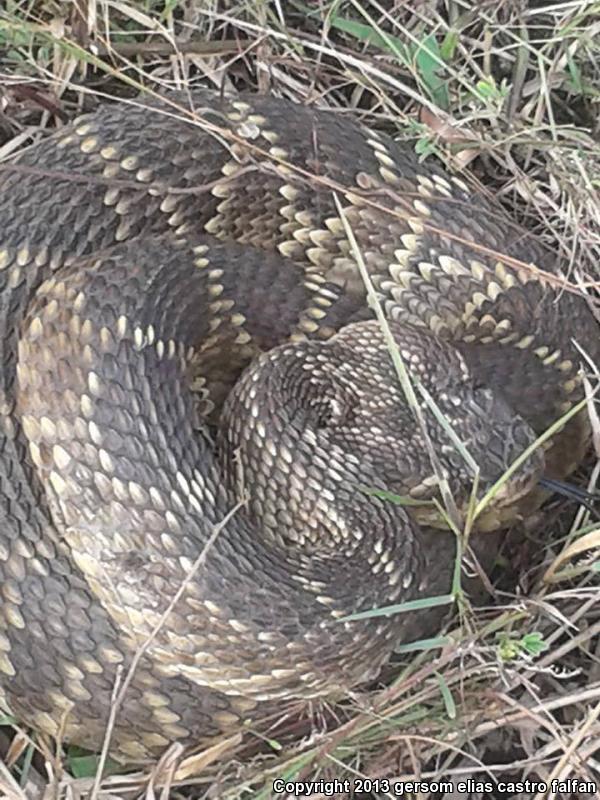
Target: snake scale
(148,255)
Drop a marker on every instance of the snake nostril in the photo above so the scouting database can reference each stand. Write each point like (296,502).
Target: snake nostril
(484,397)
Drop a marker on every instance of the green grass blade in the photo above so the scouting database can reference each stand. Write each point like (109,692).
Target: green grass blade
(423,644)
(446,696)
(401,608)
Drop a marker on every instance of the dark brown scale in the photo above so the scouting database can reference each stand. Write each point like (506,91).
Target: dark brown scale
(109,479)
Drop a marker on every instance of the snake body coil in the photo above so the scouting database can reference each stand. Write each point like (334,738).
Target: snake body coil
(146,257)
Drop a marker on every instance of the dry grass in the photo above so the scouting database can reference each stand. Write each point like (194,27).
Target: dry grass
(510,91)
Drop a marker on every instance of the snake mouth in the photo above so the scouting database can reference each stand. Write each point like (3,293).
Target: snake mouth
(508,503)
(503,508)
(514,489)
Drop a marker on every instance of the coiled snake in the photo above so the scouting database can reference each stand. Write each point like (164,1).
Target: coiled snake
(146,256)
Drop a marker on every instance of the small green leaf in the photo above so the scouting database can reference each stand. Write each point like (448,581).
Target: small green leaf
(424,147)
(487,89)
(427,59)
(86,766)
(83,766)
(508,649)
(576,77)
(531,644)
(275,745)
(534,643)
(367,34)
(448,45)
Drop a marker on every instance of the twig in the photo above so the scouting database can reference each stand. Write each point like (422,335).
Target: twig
(119,692)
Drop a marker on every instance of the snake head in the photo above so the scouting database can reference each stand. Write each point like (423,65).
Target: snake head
(438,422)
(342,400)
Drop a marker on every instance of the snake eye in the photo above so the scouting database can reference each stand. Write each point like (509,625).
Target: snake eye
(333,414)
